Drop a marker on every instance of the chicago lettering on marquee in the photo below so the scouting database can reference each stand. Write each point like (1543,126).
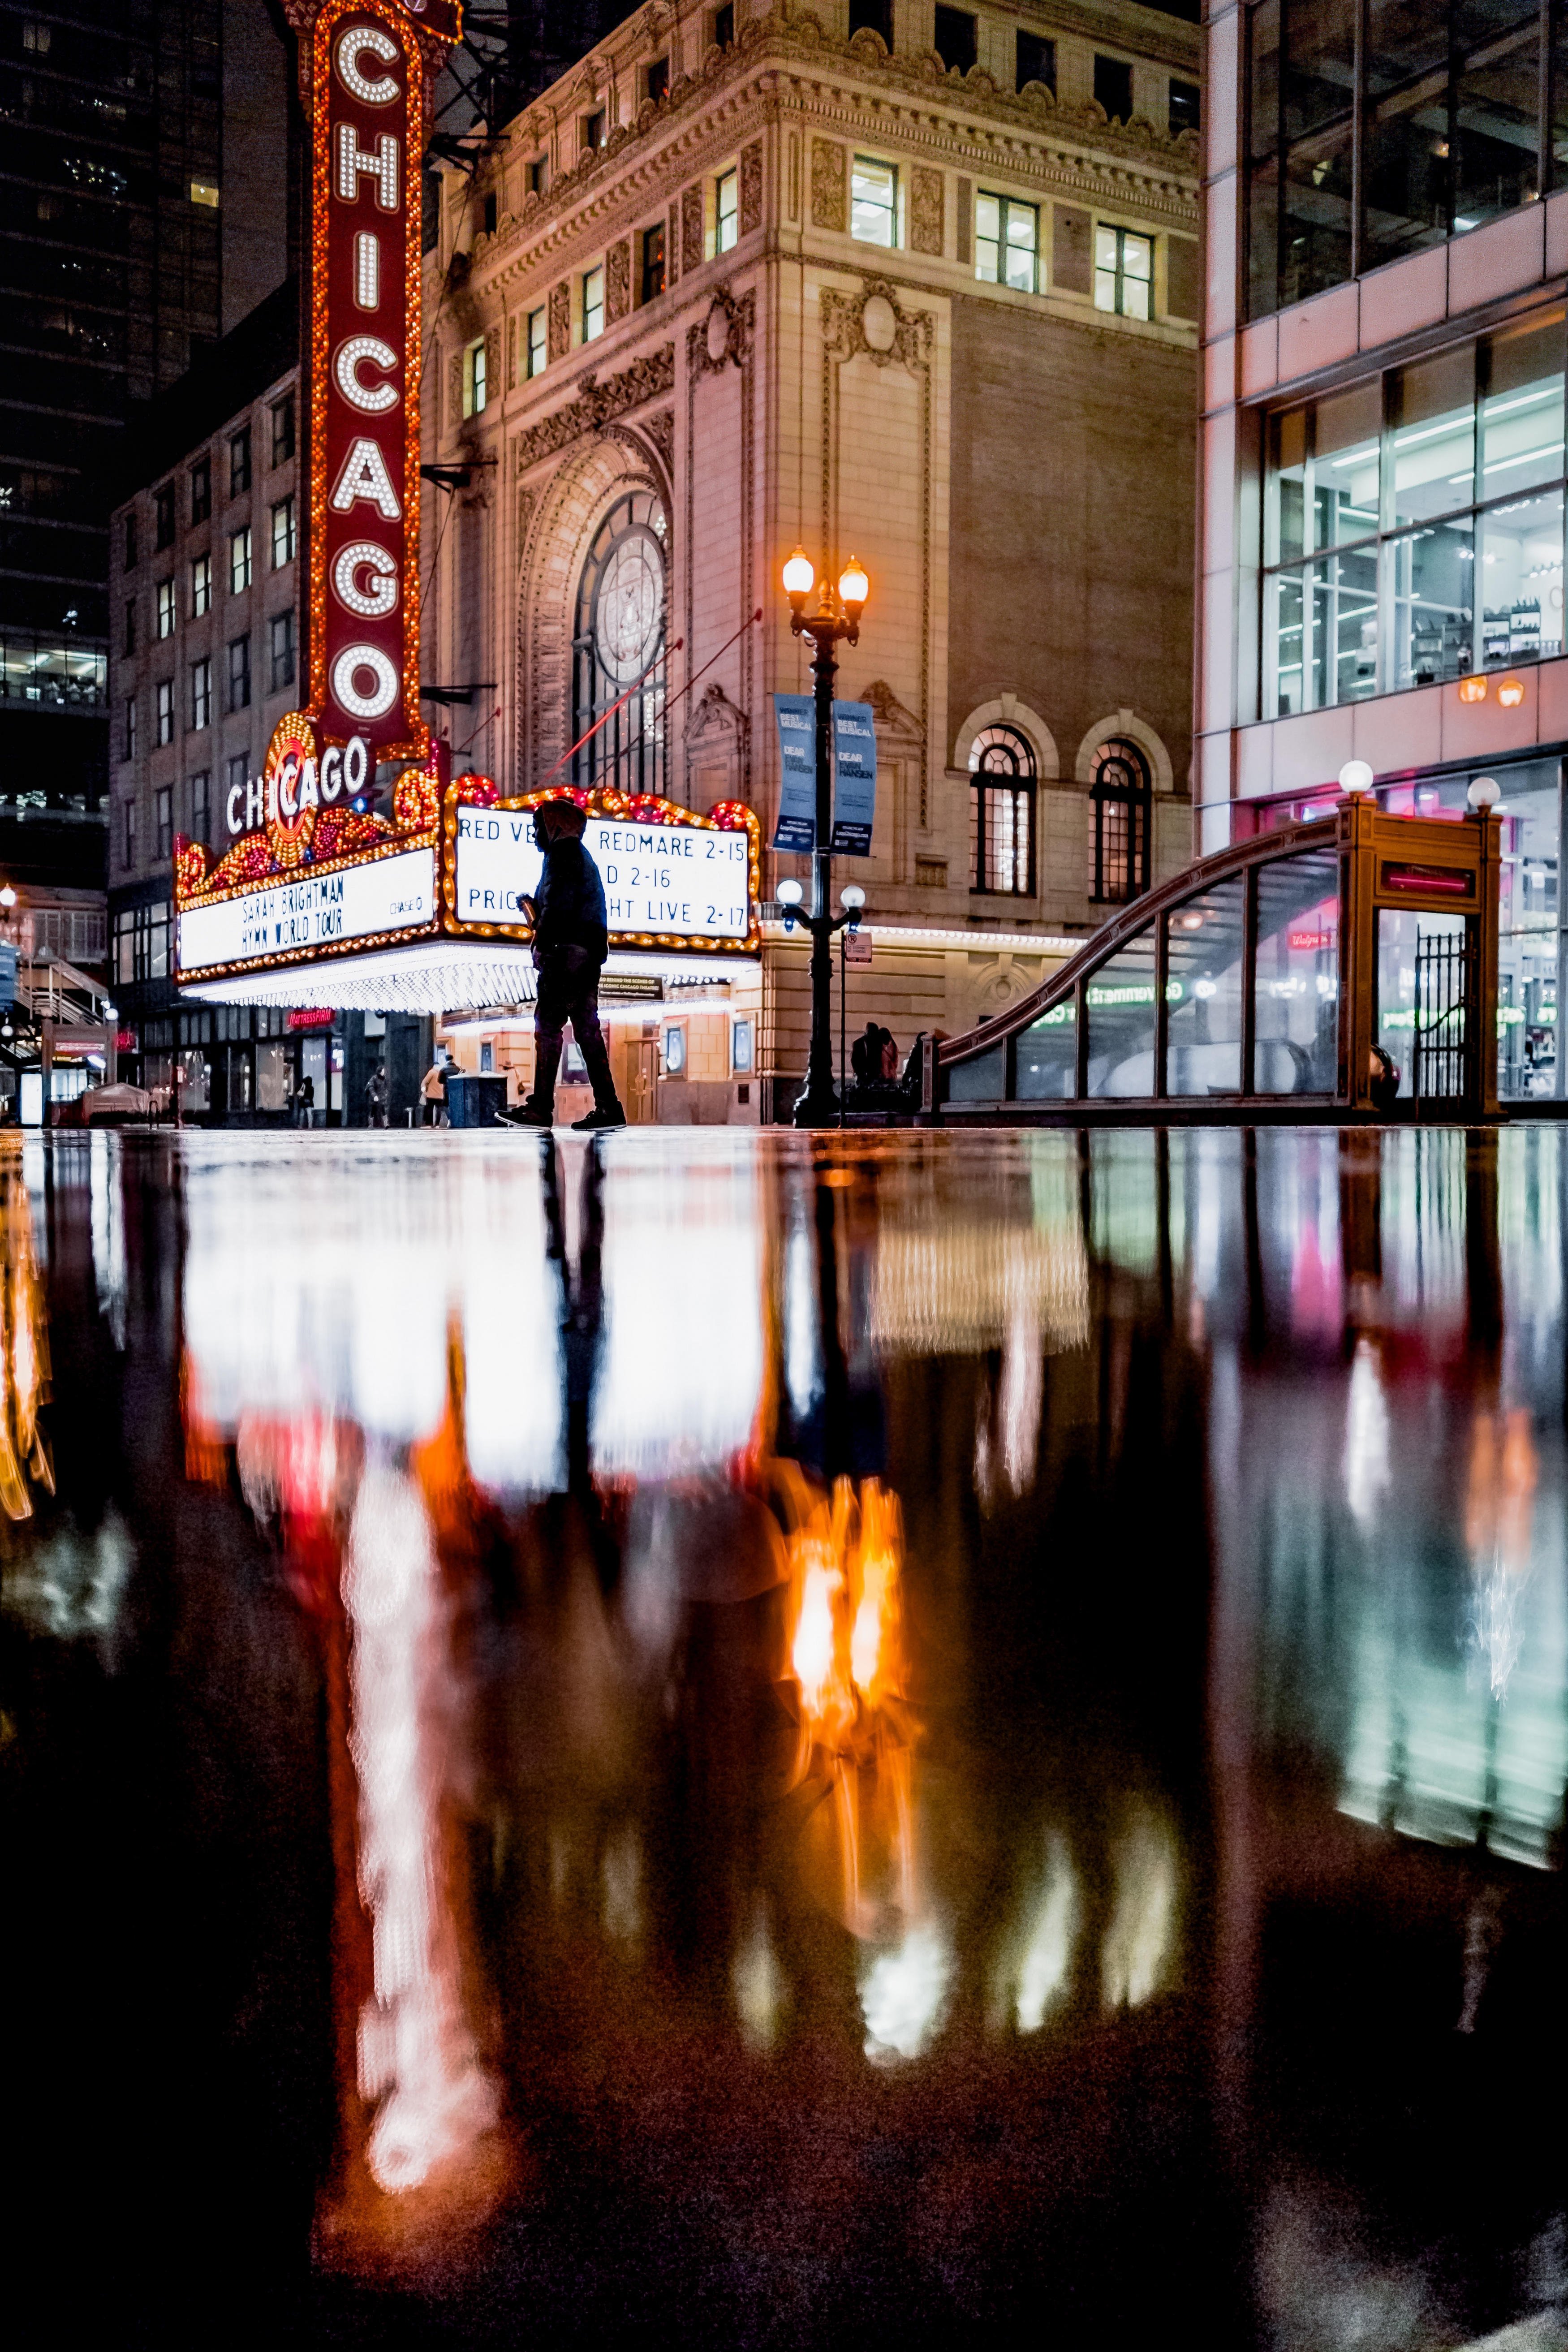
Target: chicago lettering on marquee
(366,69)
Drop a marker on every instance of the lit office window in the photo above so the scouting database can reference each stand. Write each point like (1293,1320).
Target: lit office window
(1124,272)
(165,704)
(727,212)
(283,533)
(1002,813)
(537,341)
(1008,242)
(163,818)
(874,202)
(165,608)
(201,696)
(1413,525)
(239,561)
(592,304)
(201,585)
(476,388)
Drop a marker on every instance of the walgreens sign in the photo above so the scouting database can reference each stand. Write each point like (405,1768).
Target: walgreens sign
(366,67)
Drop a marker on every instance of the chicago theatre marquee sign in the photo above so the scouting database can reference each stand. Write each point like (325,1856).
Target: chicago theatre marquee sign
(320,895)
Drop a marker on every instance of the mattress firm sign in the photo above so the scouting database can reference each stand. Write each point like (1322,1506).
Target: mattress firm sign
(310,913)
(661,880)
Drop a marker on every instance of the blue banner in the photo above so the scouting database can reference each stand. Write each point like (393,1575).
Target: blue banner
(796,828)
(855,777)
(7,975)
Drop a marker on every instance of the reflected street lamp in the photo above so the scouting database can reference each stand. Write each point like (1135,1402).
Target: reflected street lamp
(834,618)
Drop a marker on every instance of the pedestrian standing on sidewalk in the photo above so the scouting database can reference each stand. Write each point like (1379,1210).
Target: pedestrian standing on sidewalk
(571,942)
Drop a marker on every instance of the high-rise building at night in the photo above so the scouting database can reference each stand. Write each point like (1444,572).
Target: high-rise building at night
(142,197)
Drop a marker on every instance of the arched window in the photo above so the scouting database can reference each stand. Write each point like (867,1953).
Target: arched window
(1002,813)
(619,630)
(1120,800)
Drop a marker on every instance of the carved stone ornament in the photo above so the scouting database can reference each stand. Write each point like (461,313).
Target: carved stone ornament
(725,335)
(598,404)
(894,722)
(660,430)
(716,717)
(619,281)
(751,188)
(559,321)
(829,186)
(691,229)
(876,327)
(925,210)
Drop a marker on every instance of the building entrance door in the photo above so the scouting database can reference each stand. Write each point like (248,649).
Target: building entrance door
(642,1089)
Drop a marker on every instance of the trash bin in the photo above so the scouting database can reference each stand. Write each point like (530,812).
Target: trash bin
(474,1098)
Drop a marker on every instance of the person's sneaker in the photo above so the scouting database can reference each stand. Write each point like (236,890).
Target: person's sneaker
(527,1113)
(597,1120)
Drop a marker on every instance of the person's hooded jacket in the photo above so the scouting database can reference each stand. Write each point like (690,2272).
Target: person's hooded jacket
(569,904)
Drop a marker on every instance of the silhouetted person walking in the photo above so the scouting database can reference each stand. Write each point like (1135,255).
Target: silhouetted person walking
(571,940)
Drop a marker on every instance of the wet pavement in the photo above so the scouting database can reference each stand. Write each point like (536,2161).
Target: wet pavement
(722,1739)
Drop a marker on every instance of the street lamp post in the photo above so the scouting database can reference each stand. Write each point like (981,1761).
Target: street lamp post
(833,619)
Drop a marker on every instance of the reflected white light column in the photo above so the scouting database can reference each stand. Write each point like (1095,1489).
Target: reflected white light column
(416,2053)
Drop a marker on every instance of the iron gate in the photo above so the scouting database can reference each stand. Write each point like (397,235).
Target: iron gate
(1442,972)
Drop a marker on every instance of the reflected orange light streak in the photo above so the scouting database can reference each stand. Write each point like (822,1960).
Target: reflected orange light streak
(24,1350)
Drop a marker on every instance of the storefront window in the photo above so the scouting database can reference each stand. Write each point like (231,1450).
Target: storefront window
(272,1078)
(1374,538)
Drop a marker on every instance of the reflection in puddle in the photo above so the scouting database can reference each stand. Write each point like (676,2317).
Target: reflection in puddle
(915,1709)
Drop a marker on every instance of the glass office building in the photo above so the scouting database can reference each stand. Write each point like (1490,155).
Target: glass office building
(1382,451)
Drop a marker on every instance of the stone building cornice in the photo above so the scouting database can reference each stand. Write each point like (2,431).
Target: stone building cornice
(786,61)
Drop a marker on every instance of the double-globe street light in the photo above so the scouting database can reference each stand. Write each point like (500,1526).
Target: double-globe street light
(832,620)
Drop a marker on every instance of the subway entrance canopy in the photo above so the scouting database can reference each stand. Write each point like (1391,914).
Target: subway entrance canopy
(323,893)
(1268,979)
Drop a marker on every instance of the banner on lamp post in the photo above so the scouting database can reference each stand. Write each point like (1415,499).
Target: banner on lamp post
(796,720)
(853,777)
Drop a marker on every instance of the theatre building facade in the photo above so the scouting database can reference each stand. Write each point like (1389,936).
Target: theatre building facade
(910,285)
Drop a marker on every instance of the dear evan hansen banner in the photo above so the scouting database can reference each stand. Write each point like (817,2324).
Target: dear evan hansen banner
(796,828)
(855,777)
(855,766)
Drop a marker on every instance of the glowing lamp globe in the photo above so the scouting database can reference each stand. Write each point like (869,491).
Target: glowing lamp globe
(1355,776)
(852,897)
(790,894)
(853,585)
(799,574)
(1484,792)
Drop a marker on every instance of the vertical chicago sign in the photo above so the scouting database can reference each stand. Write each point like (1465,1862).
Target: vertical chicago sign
(365,70)
(313,868)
